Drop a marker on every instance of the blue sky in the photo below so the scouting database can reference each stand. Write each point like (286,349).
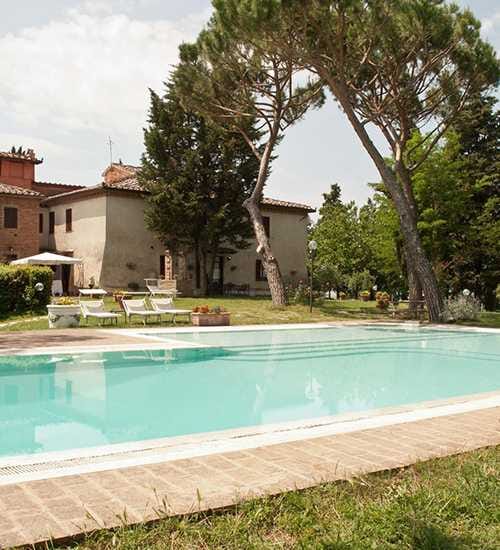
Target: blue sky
(77,71)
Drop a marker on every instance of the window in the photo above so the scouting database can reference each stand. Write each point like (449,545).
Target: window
(40,223)
(52,222)
(260,272)
(69,220)
(267,225)
(162,266)
(10,217)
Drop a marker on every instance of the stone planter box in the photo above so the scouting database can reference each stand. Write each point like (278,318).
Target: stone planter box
(64,316)
(211,319)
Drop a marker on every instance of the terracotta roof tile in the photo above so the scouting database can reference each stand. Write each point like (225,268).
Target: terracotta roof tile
(58,184)
(19,191)
(132,184)
(129,167)
(266,201)
(127,184)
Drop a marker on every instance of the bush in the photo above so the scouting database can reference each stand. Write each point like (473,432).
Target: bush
(383,300)
(299,294)
(358,281)
(17,288)
(462,308)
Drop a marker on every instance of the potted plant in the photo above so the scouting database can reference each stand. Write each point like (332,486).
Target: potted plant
(203,316)
(91,282)
(118,296)
(364,295)
(64,313)
(383,300)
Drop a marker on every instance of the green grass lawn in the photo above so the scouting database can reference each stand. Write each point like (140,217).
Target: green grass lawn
(444,504)
(245,311)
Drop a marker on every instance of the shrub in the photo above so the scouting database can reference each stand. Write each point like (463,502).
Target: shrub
(17,288)
(383,300)
(300,294)
(461,308)
(359,280)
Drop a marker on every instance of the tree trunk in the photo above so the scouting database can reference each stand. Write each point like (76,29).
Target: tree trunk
(418,263)
(204,278)
(197,266)
(273,273)
(415,294)
(252,204)
(210,272)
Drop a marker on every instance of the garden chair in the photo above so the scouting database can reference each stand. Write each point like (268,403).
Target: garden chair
(166,305)
(138,307)
(96,310)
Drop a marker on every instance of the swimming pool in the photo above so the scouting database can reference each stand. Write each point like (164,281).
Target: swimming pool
(234,379)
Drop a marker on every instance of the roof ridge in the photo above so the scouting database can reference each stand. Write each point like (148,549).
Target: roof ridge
(56,183)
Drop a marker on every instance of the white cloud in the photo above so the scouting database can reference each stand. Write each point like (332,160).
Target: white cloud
(89,70)
(490,23)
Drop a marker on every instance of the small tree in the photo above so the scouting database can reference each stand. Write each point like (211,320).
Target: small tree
(401,66)
(198,174)
(358,281)
(234,73)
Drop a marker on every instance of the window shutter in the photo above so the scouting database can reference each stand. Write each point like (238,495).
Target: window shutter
(52,222)
(10,217)
(69,220)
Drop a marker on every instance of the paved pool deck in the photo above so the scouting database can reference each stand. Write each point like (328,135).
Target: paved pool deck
(14,342)
(63,507)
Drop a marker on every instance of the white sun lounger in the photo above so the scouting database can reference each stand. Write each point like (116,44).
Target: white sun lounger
(96,309)
(138,307)
(166,305)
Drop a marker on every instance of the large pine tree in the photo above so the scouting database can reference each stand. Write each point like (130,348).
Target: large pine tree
(198,175)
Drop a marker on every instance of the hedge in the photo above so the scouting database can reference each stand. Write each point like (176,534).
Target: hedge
(17,288)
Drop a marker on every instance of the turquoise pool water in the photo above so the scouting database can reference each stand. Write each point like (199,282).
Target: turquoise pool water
(66,401)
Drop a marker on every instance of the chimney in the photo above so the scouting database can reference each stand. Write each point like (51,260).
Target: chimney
(17,167)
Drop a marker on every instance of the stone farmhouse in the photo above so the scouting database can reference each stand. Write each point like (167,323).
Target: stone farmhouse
(104,225)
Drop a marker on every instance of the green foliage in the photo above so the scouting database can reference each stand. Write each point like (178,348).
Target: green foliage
(457,190)
(358,281)
(383,242)
(17,288)
(357,247)
(299,294)
(198,175)
(338,234)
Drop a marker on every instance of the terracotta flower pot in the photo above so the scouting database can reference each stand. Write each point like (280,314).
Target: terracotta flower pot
(211,319)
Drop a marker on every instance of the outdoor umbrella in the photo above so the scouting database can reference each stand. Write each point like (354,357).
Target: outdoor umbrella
(47,258)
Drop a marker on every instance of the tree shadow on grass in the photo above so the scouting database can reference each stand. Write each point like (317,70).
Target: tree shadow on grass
(431,537)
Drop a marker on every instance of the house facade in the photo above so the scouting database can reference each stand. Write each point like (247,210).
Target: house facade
(104,226)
